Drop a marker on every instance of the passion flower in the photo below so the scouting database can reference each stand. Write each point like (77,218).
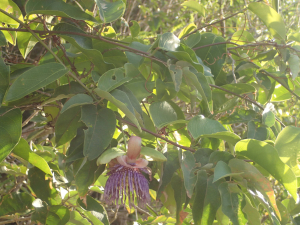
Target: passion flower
(125,177)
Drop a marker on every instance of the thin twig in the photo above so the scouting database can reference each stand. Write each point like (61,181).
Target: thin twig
(157,135)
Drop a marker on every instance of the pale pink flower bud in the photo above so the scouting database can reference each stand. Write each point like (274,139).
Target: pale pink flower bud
(134,149)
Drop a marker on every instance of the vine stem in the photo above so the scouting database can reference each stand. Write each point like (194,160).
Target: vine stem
(46,46)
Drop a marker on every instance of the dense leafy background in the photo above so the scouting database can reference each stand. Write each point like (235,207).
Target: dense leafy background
(212,87)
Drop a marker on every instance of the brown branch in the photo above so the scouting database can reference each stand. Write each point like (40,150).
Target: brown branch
(157,135)
(219,43)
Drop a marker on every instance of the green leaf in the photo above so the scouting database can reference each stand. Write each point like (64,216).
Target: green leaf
(67,125)
(168,42)
(119,104)
(101,127)
(110,11)
(179,195)
(242,37)
(58,8)
(15,203)
(212,56)
(4,79)
(231,203)
(2,39)
(222,170)
(152,154)
(41,186)
(230,137)
(287,145)
(10,130)
(76,218)
(95,209)
(253,215)
(176,74)
(255,180)
(187,167)
(109,154)
(270,18)
(77,100)
(267,157)
(200,83)
(75,151)
(207,199)
(82,43)
(42,75)
(186,30)
(199,125)
(217,156)
(193,39)
(112,79)
(12,8)
(23,151)
(260,133)
(169,168)
(133,58)
(162,113)
(87,175)
(294,62)
(268,117)
(134,29)
(194,5)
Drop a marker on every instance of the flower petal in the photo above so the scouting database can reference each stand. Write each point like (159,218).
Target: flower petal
(140,163)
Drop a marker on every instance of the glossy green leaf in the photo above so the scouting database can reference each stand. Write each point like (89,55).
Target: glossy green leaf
(200,83)
(77,100)
(109,154)
(12,8)
(152,154)
(41,186)
(176,74)
(179,195)
(230,137)
(2,39)
(4,79)
(15,203)
(82,43)
(255,180)
(67,125)
(42,75)
(169,168)
(259,133)
(86,175)
(23,151)
(110,11)
(101,127)
(268,117)
(199,125)
(76,218)
(193,39)
(162,113)
(75,151)
(222,170)
(134,29)
(294,62)
(231,204)
(270,18)
(242,37)
(58,8)
(252,213)
(207,199)
(187,167)
(95,209)
(133,58)
(168,42)
(119,104)
(194,5)
(112,79)
(212,56)
(267,157)
(287,144)
(217,156)
(10,130)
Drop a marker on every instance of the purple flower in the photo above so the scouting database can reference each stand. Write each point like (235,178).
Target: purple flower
(125,178)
